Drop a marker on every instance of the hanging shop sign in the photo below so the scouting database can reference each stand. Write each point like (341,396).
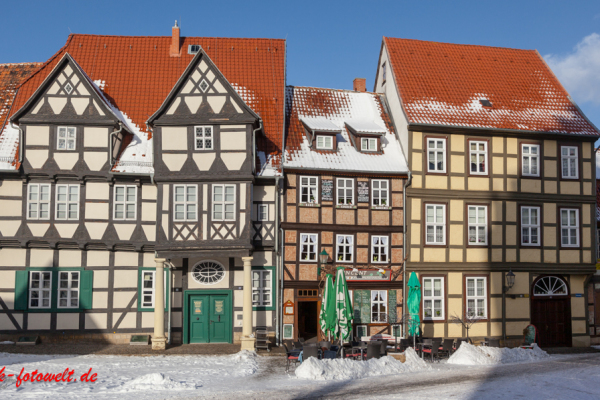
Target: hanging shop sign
(367,275)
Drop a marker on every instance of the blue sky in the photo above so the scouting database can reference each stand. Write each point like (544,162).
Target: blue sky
(331,42)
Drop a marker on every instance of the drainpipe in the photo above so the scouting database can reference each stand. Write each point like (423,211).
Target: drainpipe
(260,126)
(170,294)
(20,141)
(278,303)
(110,145)
(407,184)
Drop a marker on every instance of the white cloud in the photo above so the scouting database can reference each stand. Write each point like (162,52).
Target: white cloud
(579,71)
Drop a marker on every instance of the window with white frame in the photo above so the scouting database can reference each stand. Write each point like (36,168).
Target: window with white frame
(125,202)
(569,227)
(262,288)
(309,191)
(204,137)
(324,142)
(380,192)
(530,226)
(433,298)
(477,225)
(476,297)
(68,289)
(148,288)
(436,155)
(379,249)
(66,138)
(568,158)
(379,306)
(40,289)
(368,144)
(478,153)
(308,246)
(345,248)
(223,203)
(67,202)
(263,212)
(435,224)
(185,202)
(530,159)
(345,191)
(38,201)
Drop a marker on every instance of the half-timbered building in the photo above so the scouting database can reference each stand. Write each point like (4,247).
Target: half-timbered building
(502,183)
(344,183)
(130,156)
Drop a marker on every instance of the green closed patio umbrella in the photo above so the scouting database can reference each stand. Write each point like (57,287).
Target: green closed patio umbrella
(414,303)
(327,317)
(345,313)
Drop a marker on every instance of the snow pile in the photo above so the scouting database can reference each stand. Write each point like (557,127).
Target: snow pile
(468,354)
(339,369)
(246,363)
(157,381)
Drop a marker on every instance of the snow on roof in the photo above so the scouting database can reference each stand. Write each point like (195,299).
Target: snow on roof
(339,107)
(365,126)
(442,83)
(320,124)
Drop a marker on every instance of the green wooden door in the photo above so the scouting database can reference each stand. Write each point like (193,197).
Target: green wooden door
(199,319)
(220,318)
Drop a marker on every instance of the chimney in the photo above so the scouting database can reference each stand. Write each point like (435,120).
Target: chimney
(174,52)
(360,85)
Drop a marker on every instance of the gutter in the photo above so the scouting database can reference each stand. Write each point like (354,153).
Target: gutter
(515,131)
(354,171)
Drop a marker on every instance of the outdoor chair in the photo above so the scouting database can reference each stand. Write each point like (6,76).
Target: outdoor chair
(358,350)
(425,344)
(405,344)
(301,340)
(447,347)
(297,346)
(290,356)
(384,345)
(458,343)
(310,351)
(373,350)
(434,350)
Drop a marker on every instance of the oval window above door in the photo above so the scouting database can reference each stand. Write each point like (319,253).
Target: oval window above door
(208,272)
(550,286)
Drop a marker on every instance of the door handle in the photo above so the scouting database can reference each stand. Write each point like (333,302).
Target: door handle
(219,318)
(197,318)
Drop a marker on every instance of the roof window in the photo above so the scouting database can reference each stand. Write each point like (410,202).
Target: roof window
(193,48)
(485,102)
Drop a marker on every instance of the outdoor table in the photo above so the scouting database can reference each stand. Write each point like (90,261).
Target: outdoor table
(361,349)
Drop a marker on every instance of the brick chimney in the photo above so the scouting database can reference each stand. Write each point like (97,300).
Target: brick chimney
(360,85)
(174,51)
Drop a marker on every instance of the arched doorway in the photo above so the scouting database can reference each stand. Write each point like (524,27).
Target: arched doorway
(551,311)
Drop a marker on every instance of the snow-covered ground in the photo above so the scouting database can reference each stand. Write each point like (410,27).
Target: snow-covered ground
(245,375)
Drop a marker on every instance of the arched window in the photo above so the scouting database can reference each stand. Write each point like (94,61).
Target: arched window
(208,272)
(550,286)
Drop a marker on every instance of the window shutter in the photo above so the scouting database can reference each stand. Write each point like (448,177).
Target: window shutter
(85,294)
(21,281)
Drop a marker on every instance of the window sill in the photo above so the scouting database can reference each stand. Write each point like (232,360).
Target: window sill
(346,207)
(309,205)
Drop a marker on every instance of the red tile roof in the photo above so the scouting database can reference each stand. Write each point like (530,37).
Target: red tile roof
(138,73)
(442,83)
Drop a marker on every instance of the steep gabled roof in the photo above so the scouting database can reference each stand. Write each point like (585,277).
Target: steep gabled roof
(339,107)
(443,83)
(136,74)
(11,76)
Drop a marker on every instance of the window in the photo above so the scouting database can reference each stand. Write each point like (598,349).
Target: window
(345,191)
(185,202)
(530,159)
(435,224)
(308,247)
(345,248)
(148,289)
(208,272)
(324,142)
(40,287)
(204,137)
(68,289)
(309,192)
(568,157)
(569,227)
(67,202)
(530,226)
(223,203)
(433,298)
(436,155)
(125,202)
(193,48)
(384,72)
(380,195)
(66,137)
(478,225)
(379,249)
(263,212)
(368,144)
(477,297)
(261,288)
(38,201)
(478,158)
(378,306)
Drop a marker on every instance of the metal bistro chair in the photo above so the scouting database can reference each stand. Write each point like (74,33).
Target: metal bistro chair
(290,356)
(373,350)
(447,347)
(262,338)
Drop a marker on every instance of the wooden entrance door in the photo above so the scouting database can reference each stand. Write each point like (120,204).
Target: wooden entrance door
(210,318)
(552,318)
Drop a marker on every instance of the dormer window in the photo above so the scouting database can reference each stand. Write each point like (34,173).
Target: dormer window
(193,48)
(324,142)
(368,144)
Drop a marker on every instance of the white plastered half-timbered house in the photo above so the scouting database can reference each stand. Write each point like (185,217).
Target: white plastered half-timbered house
(138,171)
